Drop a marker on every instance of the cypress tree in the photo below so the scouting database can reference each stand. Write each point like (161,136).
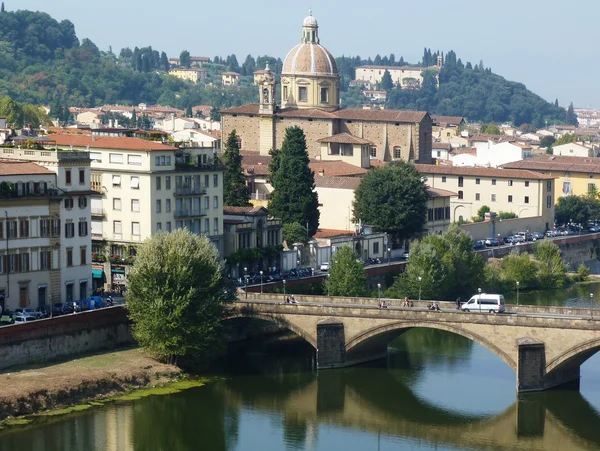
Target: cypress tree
(2,9)
(294,198)
(235,190)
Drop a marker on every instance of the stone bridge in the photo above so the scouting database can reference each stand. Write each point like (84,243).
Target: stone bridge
(545,346)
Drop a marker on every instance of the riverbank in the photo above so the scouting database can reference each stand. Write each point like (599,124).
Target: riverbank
(35,388)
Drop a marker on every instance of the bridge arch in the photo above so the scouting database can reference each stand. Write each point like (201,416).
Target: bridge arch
(380,334)
(575,356)
(279,321)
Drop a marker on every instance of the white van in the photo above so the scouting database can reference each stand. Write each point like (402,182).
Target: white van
(484,302)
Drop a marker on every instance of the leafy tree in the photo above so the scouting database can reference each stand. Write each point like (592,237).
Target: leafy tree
(527,128)
(519,267)
(164,62)
(2,8)
(174,297)
(235,190)
(293,232)
(506,215)
(571,116)
(583,273)
(294,198)
(347,276)
(387,83)
(547,141)
(446,264)
(578,209)
(214,114)
(490,129)
(552,272)
(184,59)
(482,211)
(565,139)
(392,198)
(275,155)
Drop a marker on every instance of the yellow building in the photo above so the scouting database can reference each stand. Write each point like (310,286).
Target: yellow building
(574,175)
(310,97)
(193,74)
(230,78)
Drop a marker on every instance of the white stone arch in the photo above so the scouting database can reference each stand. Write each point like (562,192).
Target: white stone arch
(582,351)
(460,210)
(400,325)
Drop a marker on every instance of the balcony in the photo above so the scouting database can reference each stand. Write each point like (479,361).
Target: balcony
(189,190)
(191,213)
(98,212)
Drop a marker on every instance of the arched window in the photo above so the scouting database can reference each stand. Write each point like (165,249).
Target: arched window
(397,153)
(460,182)
(460,194)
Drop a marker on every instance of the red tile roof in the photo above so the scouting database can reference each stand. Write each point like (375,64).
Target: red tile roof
(245,211)
(330,233)
(344,138)
(481,171)
(11,167)
(335,168)
(337,182)
(433,193)
(448,120)
(589,165)
(109,142)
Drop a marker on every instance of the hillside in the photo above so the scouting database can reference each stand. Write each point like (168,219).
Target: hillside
(465,90)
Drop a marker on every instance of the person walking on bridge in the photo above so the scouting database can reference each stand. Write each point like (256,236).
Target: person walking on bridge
(458,303)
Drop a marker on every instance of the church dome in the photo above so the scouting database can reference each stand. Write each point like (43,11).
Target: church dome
(310,57)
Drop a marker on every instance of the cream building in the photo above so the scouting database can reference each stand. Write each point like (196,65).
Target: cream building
(525,193)
(193,74)
(406,77)
(310,95)
(574,150)
(46,226)
(230,78)
(142,189)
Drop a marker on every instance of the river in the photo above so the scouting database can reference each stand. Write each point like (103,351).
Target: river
(436,391)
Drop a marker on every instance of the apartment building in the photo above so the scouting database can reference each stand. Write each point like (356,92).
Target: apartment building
(142,189)
(45,196)
(525,193)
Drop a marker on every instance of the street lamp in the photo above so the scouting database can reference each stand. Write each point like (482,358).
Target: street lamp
(246,281)
(479,300)
(284,288)
(389,255)
(328,284)
(261,282)
(420,279)
(591,305)
(517,293)
(379,293)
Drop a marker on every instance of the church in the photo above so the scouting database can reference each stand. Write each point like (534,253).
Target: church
(310,99)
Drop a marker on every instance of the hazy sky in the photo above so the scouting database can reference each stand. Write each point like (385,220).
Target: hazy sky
(550,46)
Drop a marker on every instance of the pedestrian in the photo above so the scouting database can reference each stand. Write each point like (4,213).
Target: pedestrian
(74,307)
(458,303)
(406,302)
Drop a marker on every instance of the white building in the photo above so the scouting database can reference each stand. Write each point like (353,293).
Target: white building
(47,226)
(574,150)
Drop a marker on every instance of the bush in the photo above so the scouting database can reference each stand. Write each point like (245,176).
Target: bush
(583,273)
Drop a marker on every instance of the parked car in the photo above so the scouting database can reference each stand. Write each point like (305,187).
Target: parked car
(491,242)
(60,308)
(35,313)
(537,236)
(6,318)
(324,266)
(478,245)
(21,319)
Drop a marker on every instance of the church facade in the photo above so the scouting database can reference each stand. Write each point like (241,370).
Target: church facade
(310,99)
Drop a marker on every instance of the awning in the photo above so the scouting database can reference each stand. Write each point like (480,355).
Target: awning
(118,271)
(97,273)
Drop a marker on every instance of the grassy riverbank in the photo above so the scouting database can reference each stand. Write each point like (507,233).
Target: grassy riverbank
(75,384)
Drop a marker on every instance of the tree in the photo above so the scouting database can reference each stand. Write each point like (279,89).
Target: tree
(547,141)
(565,139)
(481,212)
(519,267)
(294,198)
(164,62)
(490,129)
(174,297)
(552,271)
(447,265)
(235,190)
(184,59)
(387,83)
(571,116)
(292,232)
(2,8)
(275,155)
(392,198)
(347,276)
(577,209)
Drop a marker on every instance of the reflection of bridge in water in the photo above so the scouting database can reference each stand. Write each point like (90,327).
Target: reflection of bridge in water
(545,346)
(381,404)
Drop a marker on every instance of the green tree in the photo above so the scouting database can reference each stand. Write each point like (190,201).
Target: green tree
(571,116)
(482,211)
(552,271)
(547,141)
(392,198)
(275,155)
(2,8)
(184,59)
(294,198)
(565,139)
(164,62)
(347,276)
(292,232)
(174,297)
(506,215)
(577,209)
(490,129)
(387,83)
(521,268)
(447,266)
(583,273)
(235,190)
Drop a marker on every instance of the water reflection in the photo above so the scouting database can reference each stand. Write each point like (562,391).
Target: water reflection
(573,296)
(436,391)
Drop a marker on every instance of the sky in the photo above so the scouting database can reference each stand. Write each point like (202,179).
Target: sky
(549,46)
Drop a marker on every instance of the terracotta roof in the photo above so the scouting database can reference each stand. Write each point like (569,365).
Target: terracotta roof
(481,171)
(381,115)
(311,113)
(450,120)
(337,182)
(433,193)
(245,210)
(11,167)
(486,138)
(250,108)
(335,168)
(68,131)
(344,138)
(545,163)
(330,233)
(231,73)
(204,109)
(109,142)
(445,146)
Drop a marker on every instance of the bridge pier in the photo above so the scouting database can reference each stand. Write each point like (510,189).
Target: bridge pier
(531,369)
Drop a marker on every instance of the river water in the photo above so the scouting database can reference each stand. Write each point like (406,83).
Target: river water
(436,391)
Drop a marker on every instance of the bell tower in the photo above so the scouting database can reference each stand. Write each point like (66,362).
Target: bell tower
(267,92)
